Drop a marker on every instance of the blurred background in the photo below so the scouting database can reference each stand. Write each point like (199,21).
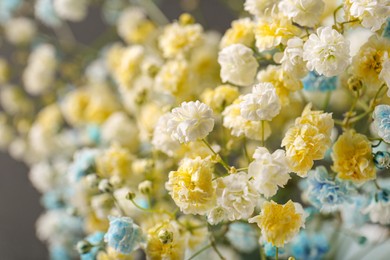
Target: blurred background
(20,202)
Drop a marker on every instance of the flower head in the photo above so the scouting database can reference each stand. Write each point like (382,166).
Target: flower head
(280,223)
(310,247)
(315,82)
(242,236)
(292,60)
(373,14)
(379,208)
(381,117)
(241,32)
(191,121)
(304,13)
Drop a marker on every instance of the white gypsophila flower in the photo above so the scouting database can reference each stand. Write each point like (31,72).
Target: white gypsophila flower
(162,139)
(260,8)
(261,104)
(385,74)
(379,212)
(269,171)
(18,149)
(327,52)
(96,71)
(217,215)
(191,121)
(39,74)
(128,21)
(43,176)
(20,30)
(238,65)
(118,128)
(292,60)
(72,10)
(303,12)
(237,195)
(372,13)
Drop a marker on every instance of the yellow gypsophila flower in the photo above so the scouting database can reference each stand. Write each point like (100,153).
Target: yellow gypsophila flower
(115,161)
(283,82)
(271,33)
(352,157)
(174,77)
(50,118)
(240,32)
(308,140)
(93,224)
(217,99)
(279,223)
(177,39)
(191,186)
(111,254)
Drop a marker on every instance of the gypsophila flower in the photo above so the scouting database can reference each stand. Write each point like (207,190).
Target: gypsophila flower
(305,13)
(386,30)
(269,171)
(292,60)
(260,8)
(327,52)
(315,82)
(242,236)
(123,235)
(382,160)
(270,250)
(72,10)
(379,208)
(238,65)
(190,122)
(261,104)
(83,163)
(96,240)
(385,74)
(162,139)
(309,247)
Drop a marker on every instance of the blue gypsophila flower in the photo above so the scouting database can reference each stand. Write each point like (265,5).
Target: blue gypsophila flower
(83,163)
(60,252)
(54,199)
(315,82)
(123,235)
(44,10)
(7,7)
(386,31)
(242,237)
(94,133)
(96,240)
(270,250)
(382,160)
(381,117)
(307,247)
(325,193)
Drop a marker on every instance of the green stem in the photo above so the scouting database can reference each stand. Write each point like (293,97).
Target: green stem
(224,164)
(335,13)
(118,205)
(277,253)
(200,251)
(262,254)
(327,100)
(214,246)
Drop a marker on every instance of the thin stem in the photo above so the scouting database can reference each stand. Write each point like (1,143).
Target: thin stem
(262,254)
(214,246)
(118,205)
(327,100)
(277,253)
(242,169)
(200,251)
(377,184)
(246,151)
(224,164)
(335,13)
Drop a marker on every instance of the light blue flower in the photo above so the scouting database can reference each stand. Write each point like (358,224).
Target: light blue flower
(381,117)
(352,213)
(7,7)
(382,160)
(325,193)
(307,247)
(123,235)
(95,239)
(270,250)
(242,237)
(54,199)
(386,31)
(60,252)
(83,164)
(315,82)
(94,133)
(44,10)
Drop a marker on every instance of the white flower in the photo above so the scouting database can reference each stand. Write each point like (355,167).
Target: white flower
(303,12)
(162,140)
(379,212)
(372,13)
(292,60)
(128,22)
(217,215)
(191,121)
(269,171)
(72,10)
(237,195)
(238,65)
(43,176)
(262,104)
(20,30)
(327,52)
(385,74)
(260,7)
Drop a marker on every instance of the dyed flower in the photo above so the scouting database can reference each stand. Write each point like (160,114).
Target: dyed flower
(270,250)
(269,171)
(242,237)
(292,60)
(20,30)
(309,247)
(261,104)
(315,82)
(381,117)
(260,8)
(352,157)
(382,160)
(373,14)
(236,195)
(305,13)
(240,32)
(325,193)
(386,30)
(191,186)
(72,10)
(7,8)
(327,52)
(114,161)
(162,139)
(44,11)
(173,77)
(83,163)
(123,235)
(191,121)
(95,239)
(217,99)
(280,223)
(379,208)
(238,65)
(308,140)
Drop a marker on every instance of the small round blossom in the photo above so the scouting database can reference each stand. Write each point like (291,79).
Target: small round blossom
(123,235)
(236,195)
(315,82)
(162,139)
(217,99)
(309,247)
(385,74)
(260,8)
(352,157)
(381,117)
(379,208)
(238,65)
(269,171)
(382,160)
(261,104)
(305,13)
(327,52)
(242,236)
(173,77)
(114,161)
(280,223)
(191,121)
(20,30)
(240,32)
(191,186)
(72,10)
(292,60)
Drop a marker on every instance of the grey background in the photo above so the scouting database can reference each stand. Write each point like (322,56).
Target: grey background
(19,201)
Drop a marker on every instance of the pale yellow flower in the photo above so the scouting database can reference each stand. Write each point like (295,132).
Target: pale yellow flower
(352,157)
(220,97)
(115,161)
(240,32)
(111,254)
(280,223)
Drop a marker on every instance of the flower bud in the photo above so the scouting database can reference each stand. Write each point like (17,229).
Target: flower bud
(130,195)
(145,187)
(186,19)
(83,247)
(165,236)
(105,186)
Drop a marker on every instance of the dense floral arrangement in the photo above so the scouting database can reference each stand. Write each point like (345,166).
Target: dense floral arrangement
(170,141)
